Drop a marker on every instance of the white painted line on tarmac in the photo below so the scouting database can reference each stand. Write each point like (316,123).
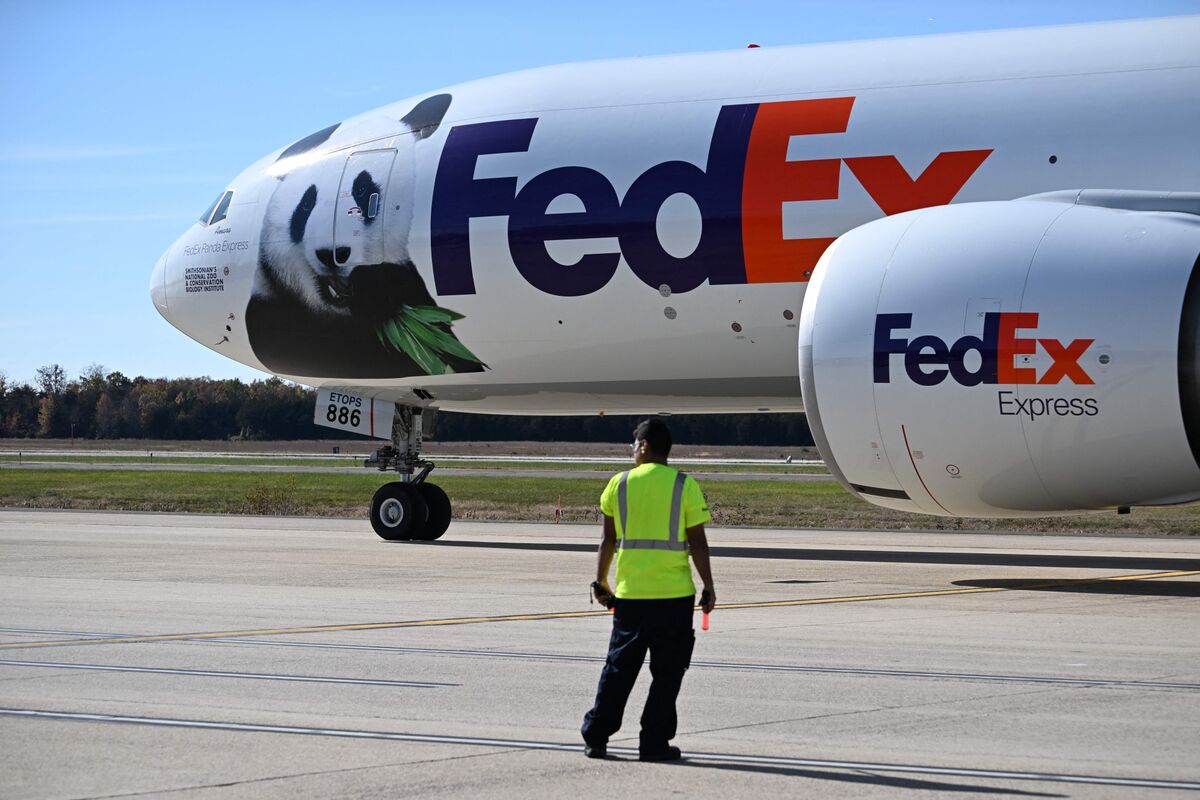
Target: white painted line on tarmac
(734,758)
(1124,683)
(59,632)
(735,665)
(218,674)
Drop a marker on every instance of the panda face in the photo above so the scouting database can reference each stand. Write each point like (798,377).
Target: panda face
(333,212)
(298,250)
(336,292)
(361,233)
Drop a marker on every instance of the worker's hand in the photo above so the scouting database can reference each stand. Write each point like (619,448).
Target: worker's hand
(708,599)
(603,594)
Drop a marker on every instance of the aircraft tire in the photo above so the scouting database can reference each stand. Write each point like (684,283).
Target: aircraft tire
(398,512)
(439,511)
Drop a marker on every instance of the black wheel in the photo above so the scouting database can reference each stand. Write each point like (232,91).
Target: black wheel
(439,511)
(398,512)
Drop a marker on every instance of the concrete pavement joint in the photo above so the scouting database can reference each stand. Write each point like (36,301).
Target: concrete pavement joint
(1118,683)
(876,709)
(362,626)
(781,761)
(273,778)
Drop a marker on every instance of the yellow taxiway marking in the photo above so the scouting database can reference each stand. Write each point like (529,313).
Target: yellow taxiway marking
(425,623)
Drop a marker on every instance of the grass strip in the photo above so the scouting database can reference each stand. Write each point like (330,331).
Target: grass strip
(355,462)
(499,497)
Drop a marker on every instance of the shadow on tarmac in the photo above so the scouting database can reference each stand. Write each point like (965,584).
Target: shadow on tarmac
(862,777)
(991,558)
(1151,588)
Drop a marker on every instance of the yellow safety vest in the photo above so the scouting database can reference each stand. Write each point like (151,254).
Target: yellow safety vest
(652,547)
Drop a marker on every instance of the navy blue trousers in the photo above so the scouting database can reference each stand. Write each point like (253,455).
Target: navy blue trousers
(664,628)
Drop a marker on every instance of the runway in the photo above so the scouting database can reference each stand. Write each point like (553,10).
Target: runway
(238,656)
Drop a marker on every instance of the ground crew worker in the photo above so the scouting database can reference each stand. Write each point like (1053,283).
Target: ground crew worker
(653,516)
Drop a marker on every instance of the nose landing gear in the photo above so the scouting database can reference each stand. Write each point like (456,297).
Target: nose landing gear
(411,508)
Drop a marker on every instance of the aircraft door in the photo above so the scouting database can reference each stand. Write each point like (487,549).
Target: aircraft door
(358,219)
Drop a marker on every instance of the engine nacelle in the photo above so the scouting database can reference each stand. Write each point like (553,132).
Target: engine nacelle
(1008,359)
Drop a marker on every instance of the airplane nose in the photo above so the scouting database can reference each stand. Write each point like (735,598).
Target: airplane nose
(158,284)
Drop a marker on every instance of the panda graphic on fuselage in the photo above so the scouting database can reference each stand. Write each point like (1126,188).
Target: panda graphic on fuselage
(336,293)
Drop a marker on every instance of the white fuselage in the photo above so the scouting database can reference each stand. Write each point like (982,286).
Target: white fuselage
(637,235)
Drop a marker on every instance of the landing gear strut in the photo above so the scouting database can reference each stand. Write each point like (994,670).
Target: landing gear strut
(410,508)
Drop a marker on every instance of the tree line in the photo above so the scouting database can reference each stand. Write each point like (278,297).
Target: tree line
(109,405)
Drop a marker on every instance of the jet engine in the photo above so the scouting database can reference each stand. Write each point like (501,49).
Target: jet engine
(1006,359)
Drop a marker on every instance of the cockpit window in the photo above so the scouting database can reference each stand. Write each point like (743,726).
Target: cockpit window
(205,216)
(219,208)
(222,208)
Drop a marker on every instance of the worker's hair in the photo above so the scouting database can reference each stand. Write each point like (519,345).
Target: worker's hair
(656,434)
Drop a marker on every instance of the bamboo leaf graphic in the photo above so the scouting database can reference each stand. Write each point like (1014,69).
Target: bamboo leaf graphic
(421,333)
(425,357)
(433,314)
(393,333)
(442,342)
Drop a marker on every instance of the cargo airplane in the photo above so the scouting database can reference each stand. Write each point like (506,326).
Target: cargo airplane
(971,260)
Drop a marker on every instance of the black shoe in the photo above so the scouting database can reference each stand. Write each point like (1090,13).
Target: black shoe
(668,753)
(595,750)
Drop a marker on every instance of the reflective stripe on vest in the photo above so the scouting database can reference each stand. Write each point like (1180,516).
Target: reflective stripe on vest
(672,542)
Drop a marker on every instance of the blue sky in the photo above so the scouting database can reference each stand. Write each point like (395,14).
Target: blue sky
(122,120)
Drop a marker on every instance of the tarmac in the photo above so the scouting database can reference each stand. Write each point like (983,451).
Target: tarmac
(219,656)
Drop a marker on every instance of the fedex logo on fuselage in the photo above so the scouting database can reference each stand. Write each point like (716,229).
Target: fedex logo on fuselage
(740,192)
(929,360)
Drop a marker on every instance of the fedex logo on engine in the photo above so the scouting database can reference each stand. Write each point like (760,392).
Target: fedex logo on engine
(740,192)
(929,360)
